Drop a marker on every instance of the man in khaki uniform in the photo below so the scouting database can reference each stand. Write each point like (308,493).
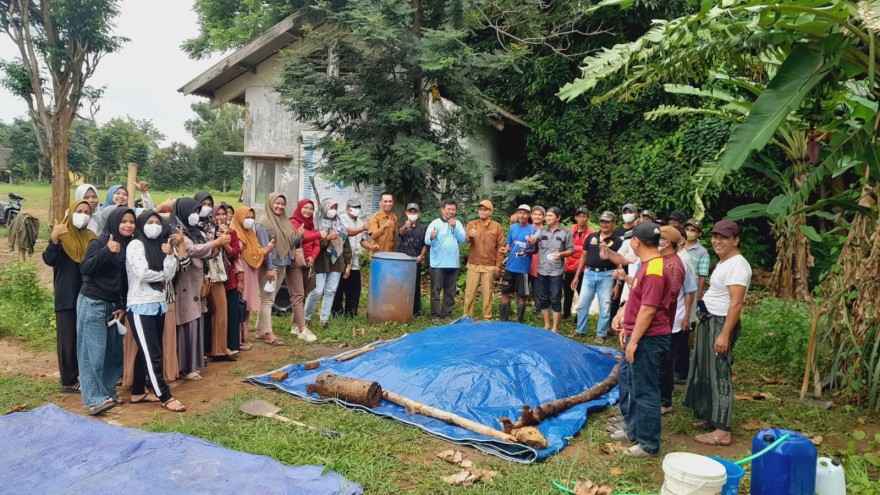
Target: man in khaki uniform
(383,226)
(486,239)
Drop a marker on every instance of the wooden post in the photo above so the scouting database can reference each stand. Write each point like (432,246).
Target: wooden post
(811,346)
(132,179)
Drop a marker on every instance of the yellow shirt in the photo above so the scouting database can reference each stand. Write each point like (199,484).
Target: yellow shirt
(387,241)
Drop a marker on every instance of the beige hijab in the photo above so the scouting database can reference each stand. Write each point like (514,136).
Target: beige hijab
(278,226)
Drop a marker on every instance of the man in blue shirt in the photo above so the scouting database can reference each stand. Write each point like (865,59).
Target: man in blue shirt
(443,236)
(516,273)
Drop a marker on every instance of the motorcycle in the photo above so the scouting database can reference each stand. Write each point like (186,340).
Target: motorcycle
(10,210)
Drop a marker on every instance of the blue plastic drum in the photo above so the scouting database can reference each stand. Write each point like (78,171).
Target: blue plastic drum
(788,469)
(392,288)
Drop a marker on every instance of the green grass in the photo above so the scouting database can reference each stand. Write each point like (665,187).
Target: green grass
(17,389)
(26,308)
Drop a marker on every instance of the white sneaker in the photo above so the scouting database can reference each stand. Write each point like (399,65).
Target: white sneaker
(638,452)
(307,335)
(294,331)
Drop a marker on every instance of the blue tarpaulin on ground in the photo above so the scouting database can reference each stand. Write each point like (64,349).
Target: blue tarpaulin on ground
(49,450)
(481,371)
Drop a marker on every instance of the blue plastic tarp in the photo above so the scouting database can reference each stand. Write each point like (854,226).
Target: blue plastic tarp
(49,450)
(481,371)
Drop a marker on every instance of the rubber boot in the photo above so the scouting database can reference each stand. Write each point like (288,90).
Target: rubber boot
(504,312)
(520,312)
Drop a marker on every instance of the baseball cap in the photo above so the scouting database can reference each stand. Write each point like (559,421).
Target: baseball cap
(727,228)
(677,215)
(353,203)
(693,222)
(487,204)
(631,207)
(413,206)
(524,207)
(538,207)
(647,231)
(649,213)
(607,216)
(671,234)
(584,210)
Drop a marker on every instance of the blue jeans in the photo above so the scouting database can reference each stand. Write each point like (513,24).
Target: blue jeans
(98,350)
(325,284)
(595,284)
(643,418)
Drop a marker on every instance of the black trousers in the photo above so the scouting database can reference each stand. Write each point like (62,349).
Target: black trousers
(682,352)
(148,331)
(443,289)
(567,294)
(65,333)
(667,366)
(615,302)
(349,293)
(233,321)
(417,294)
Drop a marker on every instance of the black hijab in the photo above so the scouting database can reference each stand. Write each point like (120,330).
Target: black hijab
(205,223)
(183,207)
(152,247)
(112,227)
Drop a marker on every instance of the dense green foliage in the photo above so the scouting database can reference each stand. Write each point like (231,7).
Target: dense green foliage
(26,308)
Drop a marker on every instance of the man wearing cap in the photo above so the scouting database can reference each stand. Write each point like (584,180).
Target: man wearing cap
(710,386)
(349,291)
(412,243)
(516,273)
(485,259)
(676,218)
(444,236)
(649,216)
(383,226)
(680,284)
(646,325)
(598,277)
(693,230)
(579,232)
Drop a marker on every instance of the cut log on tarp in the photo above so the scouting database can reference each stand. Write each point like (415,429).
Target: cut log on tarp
(351,390)
(533,417)
(416,407)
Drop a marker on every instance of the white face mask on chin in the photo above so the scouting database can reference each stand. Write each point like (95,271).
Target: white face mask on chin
(80,220)
(152,230)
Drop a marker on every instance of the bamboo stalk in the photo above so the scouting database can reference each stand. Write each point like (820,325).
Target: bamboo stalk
(416,407)
(811,346)
(358,352)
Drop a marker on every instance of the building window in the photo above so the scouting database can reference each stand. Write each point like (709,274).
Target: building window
(264,180)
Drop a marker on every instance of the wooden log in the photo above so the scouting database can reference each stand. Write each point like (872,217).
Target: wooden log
(311,365)
(278,376)
(351,390)
(416,407)
(359,352)
(533,417)
(132,177)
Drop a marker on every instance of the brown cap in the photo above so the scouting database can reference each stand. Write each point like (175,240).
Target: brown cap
(487,204)
(693,222)
(671,234)
(726,228)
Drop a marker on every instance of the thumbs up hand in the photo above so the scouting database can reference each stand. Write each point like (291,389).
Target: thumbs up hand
(112,245)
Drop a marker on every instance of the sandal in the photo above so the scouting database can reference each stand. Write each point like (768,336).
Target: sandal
(276,342)
(144,398)
(713,440)
(102,407)
(192,376)
(173,405)
(72,389)
(245,346)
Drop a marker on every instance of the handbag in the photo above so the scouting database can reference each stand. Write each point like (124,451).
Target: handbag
(299,258)
(216,269)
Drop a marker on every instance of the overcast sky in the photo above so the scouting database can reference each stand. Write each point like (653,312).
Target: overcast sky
(143,77)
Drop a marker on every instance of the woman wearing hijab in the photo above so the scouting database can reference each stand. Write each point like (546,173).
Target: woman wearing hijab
(215,339)
(150,264)
(303,221)
(334,258)
(89,193)
(67,247)
(116,195)
(226,342)
(274,231)
(189,306)
(252,258)
(102,300)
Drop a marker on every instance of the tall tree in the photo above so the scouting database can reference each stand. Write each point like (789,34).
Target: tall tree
(60,43)
(217,130)
(123,141)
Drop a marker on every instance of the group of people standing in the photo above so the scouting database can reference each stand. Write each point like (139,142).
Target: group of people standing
(145,295)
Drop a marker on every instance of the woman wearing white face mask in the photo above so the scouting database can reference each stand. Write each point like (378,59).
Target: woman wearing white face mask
(334,260)
(189,306)
(67,246)
(252,258)
(151,261)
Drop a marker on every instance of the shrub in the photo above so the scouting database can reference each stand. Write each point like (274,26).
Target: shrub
(775,333)
(27,310)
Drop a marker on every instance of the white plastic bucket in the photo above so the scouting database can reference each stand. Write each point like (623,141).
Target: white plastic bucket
(692,474)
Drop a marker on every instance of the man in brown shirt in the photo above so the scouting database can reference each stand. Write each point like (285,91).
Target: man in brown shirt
(383,226)
(486,238)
